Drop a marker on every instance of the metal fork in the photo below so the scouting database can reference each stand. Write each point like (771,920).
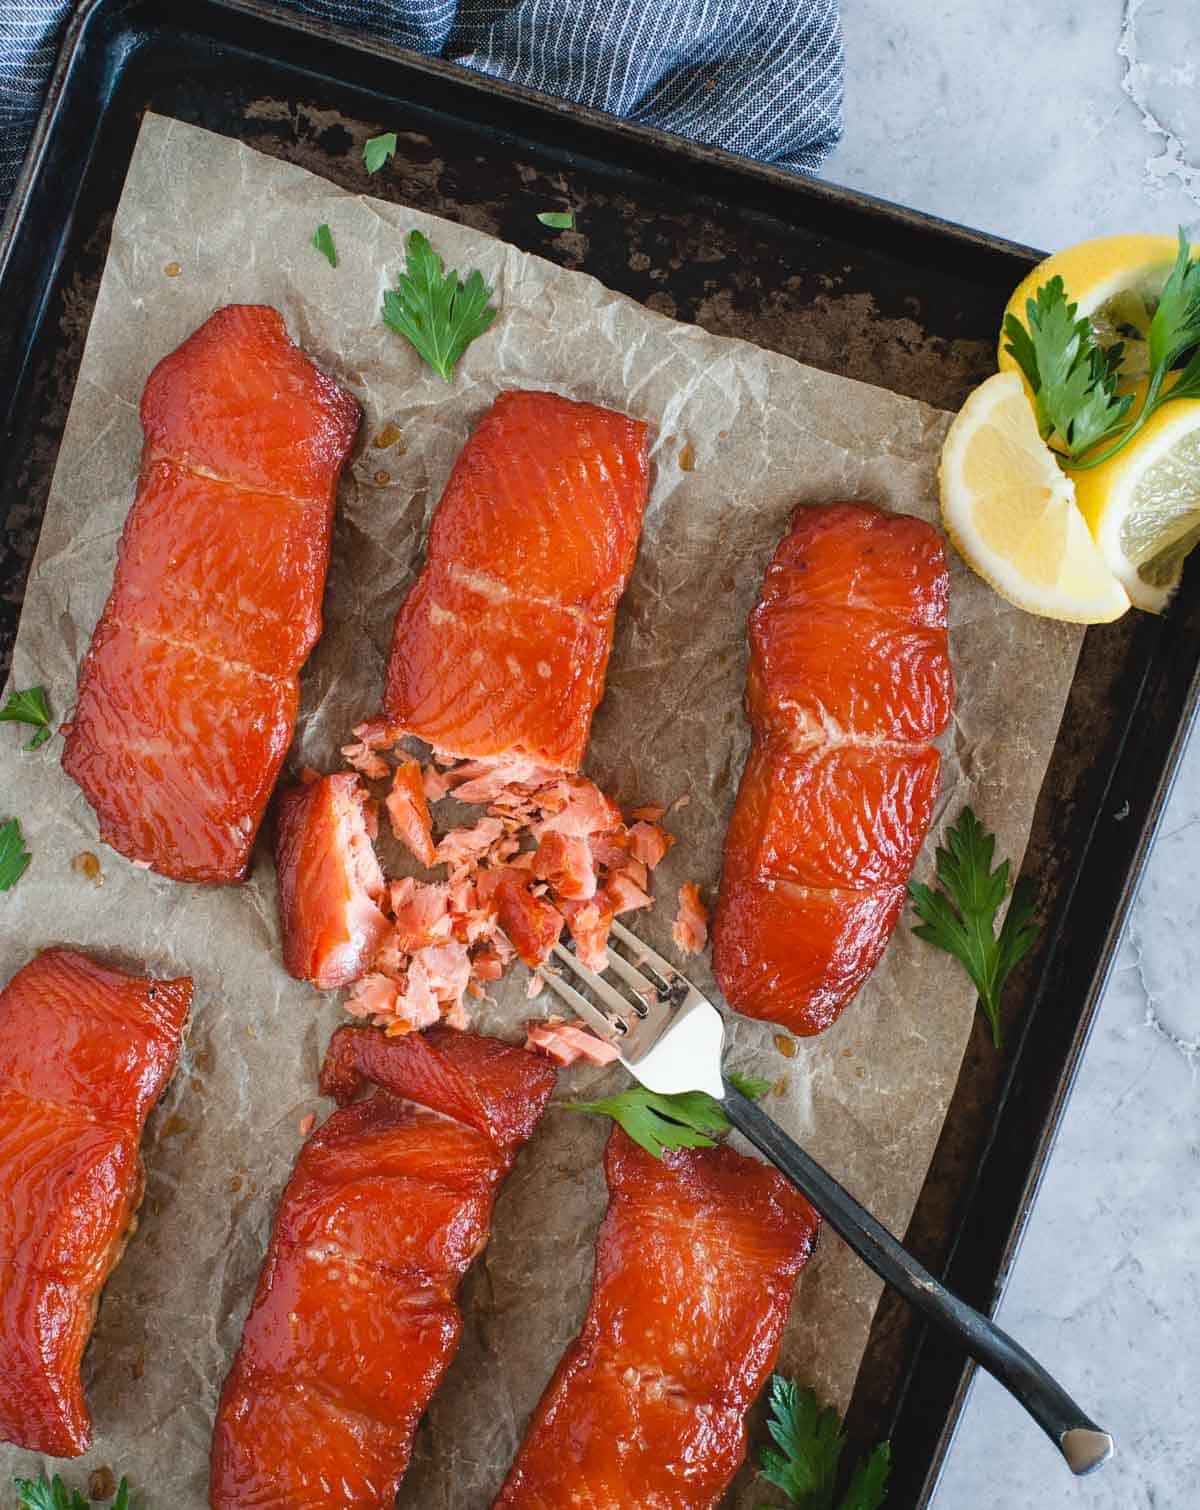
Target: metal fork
(671,1038)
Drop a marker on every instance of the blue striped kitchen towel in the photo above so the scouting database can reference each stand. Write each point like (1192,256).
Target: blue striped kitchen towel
(759,77)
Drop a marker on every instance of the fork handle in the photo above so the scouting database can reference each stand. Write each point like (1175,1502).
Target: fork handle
(1082,1443)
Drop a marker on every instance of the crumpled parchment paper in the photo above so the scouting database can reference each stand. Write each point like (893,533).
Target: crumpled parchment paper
(740,436)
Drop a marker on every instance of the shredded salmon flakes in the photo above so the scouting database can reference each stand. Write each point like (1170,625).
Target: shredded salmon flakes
(691,925)
(550,854)
(365,761)
(649,812)
(566,1042)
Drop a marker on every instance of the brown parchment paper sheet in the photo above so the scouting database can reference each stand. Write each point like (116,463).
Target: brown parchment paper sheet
(205,221)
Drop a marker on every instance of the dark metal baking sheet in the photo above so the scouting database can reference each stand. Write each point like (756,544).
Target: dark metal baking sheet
(825,275)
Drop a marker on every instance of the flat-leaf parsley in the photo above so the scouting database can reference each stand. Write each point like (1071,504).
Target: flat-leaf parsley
(434,310)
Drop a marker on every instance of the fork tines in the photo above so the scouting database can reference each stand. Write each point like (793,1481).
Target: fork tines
(607,1010)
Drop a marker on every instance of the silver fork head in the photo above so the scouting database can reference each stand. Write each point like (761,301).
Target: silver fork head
(669,1036)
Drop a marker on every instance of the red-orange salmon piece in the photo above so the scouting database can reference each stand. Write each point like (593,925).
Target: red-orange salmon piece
(188,693)
(354,1320)
(690,929)
(177,752)
(547,499)
(408,811)
(484,676)
(848,684)
(330,883)
(831,816)
(85,1051)
(531,924)
(796,955)
(647,1406)
(239,400)
(502,645)
(176,568)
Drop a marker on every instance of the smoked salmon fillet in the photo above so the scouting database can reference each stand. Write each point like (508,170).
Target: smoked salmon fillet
(502,644)
(329,881)
(354,1319)
(85,1051)
(188,694)
(849,682)
(695,1264)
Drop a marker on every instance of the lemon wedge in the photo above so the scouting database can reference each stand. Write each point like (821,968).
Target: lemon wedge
(1011,511)
(1116,282)
(1143,506)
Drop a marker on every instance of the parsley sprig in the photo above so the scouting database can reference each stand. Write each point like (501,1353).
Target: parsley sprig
(14,857)
(29,706)
(961,917)
(42,1494)
(322,239)
(810,1443)
(377,150)
(688,1119)
(434,310)
(1075,381)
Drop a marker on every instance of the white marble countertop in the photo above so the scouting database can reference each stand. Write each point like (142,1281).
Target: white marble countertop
(1048,121)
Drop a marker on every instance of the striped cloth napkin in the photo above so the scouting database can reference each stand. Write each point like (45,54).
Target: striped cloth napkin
(759,77)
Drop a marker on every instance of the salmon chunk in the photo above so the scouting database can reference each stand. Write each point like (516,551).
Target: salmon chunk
(330,884)
(85,1051)
(354,1320)
(695,1264)
(188,694)
(501,647)
(849,683)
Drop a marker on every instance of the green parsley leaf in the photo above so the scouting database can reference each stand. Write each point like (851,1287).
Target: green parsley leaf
(29,707)
(378,149)
(435,311)
(42,1495)
(961,917)
(1187,384)
(1073,381)
(14,857)
(1176,323)
(688,1119)
(323,241)
(656,1123)
(811,1442)
(749,1085)
(558,220)
(869,1484)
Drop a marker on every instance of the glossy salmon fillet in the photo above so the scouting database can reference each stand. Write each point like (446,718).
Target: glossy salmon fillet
(354,1320)
(849,682)
(330,885)
(85,1051)
(188,693)
(695,1264)
(502,644)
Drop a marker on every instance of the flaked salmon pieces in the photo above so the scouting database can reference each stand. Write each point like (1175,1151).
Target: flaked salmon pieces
(188,693)
(502,644)
(849,683)
(85,1051)
(354,1320)
(695,1264)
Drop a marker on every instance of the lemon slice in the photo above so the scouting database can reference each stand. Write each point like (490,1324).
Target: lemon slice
(1143,506)
(1011,511)
(1116,282)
